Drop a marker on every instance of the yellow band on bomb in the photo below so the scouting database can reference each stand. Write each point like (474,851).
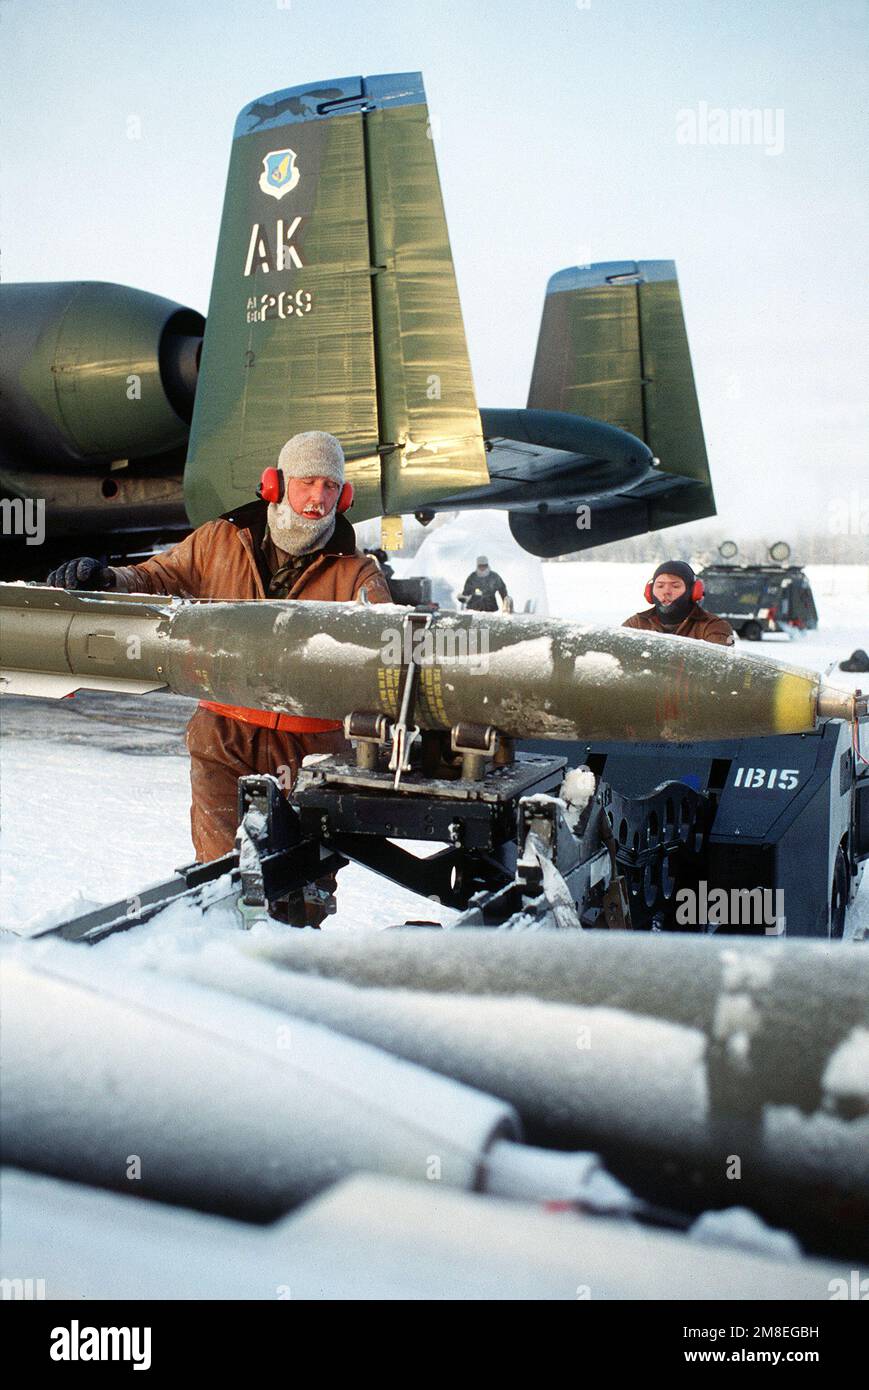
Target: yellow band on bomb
(794,701)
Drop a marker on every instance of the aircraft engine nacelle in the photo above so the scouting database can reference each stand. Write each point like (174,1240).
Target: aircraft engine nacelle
(92,373)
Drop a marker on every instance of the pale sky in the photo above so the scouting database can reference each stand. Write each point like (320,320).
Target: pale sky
(556,131)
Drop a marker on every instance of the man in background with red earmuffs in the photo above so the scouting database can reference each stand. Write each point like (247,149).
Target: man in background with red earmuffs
(674,592)
(294,543)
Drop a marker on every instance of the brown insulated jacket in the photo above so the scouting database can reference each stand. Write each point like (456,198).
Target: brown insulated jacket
(224,560)
(700,624)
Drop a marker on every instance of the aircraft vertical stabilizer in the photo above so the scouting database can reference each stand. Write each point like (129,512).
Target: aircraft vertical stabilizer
(613,346)
(428,407)
(334,304)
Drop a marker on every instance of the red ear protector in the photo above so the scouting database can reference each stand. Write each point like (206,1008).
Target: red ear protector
(271,489)
(697,591)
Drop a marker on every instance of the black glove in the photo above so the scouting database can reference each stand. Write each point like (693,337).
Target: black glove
(85,573)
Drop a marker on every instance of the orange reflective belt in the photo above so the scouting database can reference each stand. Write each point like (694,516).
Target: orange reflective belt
(270,719)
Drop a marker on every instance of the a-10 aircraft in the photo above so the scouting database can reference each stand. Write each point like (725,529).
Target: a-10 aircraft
(334,306)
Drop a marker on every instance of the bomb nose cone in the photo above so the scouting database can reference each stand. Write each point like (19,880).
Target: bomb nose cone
(841,704)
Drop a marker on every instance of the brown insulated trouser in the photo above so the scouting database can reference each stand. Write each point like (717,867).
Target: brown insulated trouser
(222,750)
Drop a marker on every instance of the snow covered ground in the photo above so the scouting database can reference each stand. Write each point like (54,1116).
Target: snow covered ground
(93,817)
(82,826)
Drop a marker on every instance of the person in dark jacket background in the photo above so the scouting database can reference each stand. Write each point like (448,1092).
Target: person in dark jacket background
(482,589)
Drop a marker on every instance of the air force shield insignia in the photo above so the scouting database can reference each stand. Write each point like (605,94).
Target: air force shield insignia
(280,173)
